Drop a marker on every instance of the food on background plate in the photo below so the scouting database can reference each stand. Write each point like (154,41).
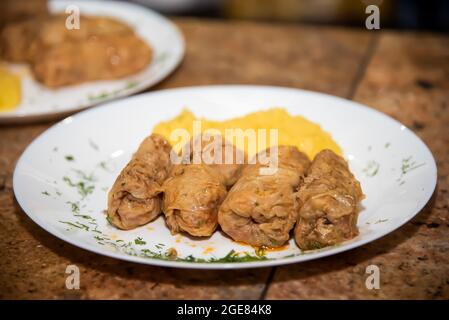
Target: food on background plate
(328,201)
(10,93)
(18,10)
(102,48)
(23,41)
(135,198)
(261,210)
(102,58)
(16,39)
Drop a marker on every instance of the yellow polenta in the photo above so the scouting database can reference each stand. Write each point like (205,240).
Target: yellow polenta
(10,90)
(291,130)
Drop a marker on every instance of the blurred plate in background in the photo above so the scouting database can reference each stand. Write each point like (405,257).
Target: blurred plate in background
(39,102)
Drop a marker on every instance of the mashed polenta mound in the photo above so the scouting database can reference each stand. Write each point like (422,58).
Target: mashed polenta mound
(292,130)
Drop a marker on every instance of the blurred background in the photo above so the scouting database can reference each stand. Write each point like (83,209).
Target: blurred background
(432,15)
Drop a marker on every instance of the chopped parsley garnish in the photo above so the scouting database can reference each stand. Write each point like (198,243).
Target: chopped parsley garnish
(232,256)
(84,216)
(83,189)
(139,241)
(69,157)
(84,176)
(74,206)
(76,225)
(109,219)
(101,96)
(103,165)
(409,165)
(96,230)
(372,168)
(131,85)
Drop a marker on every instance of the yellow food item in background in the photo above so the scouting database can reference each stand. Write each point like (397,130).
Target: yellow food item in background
(292,130)
(10,90)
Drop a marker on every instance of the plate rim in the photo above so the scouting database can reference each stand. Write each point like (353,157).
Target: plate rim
(351,244)
(11,118)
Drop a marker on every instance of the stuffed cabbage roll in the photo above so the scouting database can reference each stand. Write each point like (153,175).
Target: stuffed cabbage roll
(97,58)
(261,210)
(17,38)
(19,10)
(329,200)
(192,196)
(219,154)
(101,49)
(135,198)
(24,41)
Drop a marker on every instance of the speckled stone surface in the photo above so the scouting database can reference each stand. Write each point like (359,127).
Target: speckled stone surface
(403,75)
(407,78)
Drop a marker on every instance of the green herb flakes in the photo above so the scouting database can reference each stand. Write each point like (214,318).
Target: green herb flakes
(139,241)
(372,168)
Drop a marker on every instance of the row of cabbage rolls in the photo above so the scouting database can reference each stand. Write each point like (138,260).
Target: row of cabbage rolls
(317,201)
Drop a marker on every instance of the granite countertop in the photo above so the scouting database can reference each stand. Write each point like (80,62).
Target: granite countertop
(405,75)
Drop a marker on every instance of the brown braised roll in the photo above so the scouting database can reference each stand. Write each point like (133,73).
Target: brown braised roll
(101,49)
(329,200)
(17,38)
(98,58)
(135,198)
(261,210)
(16,10)
(24,40)
(192,196)
(228,161)
(195,189)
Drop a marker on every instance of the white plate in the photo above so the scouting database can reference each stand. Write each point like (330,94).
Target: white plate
(101,141)
(39,102)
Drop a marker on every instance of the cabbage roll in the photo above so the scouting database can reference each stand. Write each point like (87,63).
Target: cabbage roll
(228,162)
(26,40)
(135,198)
(101,49)
(19,10)
(329,200)
(261,210)
(192,196)
(98,58)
